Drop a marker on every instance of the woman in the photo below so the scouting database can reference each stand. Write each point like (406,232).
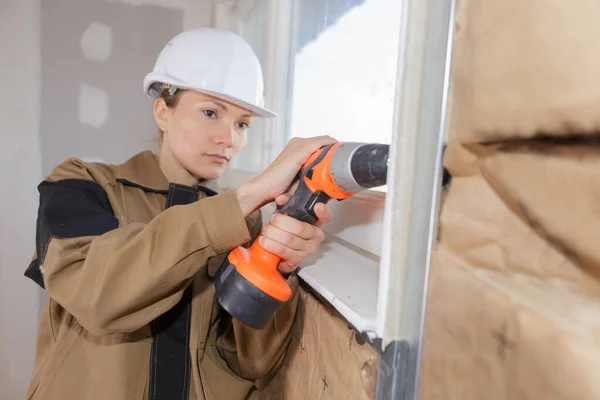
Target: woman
(127,253)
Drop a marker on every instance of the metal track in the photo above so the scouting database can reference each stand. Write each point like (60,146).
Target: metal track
(412,203)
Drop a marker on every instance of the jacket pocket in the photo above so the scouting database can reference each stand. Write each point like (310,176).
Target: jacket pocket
(52,362)
(97,367)
(31,391)
(197,378)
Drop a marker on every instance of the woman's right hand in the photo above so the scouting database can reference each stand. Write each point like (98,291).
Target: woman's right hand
(279,176)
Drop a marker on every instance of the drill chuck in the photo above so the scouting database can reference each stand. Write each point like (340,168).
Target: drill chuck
(359,166)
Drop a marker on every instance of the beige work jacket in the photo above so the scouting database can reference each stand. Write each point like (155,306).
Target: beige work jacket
(132,311)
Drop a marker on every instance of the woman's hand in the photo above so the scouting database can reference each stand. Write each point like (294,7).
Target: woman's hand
(277,178)
(293,240)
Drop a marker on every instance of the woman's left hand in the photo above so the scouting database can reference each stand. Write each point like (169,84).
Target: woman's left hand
(293,240)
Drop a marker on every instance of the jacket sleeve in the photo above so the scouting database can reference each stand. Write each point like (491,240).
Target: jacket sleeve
(249,353)
(118,279)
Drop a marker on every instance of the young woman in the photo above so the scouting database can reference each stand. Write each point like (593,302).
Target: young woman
(127,253)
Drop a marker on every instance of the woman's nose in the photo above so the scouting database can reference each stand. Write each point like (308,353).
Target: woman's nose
(226,136)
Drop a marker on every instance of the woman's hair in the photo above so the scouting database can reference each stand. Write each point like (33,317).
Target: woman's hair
(171,100)
(164,92)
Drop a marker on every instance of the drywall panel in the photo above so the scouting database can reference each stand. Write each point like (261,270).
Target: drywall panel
(94,59)
(175,4)
(196,13)
(20,170)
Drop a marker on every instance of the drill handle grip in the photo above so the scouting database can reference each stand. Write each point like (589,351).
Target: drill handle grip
(302,203)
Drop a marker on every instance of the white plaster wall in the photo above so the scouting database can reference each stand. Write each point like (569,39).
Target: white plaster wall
(20,169)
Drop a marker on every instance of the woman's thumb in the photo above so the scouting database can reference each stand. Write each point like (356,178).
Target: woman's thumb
(282,199)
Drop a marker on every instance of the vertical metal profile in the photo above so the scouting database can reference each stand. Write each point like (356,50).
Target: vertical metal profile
(414,186)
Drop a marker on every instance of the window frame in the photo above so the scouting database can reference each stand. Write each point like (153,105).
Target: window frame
(399,226)
(358,222)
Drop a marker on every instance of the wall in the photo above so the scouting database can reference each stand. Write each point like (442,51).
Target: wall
(98,110)
(20,169)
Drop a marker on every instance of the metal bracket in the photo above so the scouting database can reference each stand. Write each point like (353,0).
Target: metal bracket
(392,379)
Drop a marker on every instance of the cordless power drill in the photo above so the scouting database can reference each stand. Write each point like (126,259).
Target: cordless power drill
(249,286)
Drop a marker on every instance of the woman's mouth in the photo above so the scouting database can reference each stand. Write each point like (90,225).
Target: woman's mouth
(218,158)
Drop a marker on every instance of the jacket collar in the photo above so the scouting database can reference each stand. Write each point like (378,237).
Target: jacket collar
(142,171)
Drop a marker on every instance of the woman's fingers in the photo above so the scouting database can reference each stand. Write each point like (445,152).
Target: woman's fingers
(323,214)
(297,228)
(276,179)
(291,240)
(287,239)
(286,267)
(287,254)
(282,199)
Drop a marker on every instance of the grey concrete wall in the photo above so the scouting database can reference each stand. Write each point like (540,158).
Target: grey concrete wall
(94,58)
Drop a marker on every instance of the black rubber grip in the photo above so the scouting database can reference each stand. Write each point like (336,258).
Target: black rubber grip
(369,165)
(302,203)
(242,300)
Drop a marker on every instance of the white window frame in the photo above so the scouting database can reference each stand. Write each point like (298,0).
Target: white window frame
(345,270)
(373,266)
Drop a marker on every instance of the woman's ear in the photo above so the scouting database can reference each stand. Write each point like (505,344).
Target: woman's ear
(161,114)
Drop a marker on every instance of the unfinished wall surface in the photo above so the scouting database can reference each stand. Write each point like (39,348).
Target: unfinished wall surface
(513,306)
(95,55)
(326,360)
(20,169)
(499,336)
(521,68)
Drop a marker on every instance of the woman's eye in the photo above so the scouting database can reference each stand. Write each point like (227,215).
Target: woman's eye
(243,125)
(210,113)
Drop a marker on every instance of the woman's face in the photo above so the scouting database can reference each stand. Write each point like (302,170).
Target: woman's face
(202,133)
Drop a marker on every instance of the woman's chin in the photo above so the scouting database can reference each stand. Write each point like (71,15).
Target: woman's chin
(210,172)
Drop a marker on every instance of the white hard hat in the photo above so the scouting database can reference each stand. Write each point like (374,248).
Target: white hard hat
(212,61)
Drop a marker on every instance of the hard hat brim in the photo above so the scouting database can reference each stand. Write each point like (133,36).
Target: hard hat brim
(152,78)
(256,111)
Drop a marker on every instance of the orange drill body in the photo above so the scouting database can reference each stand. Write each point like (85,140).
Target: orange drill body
(259,267)
(321,179)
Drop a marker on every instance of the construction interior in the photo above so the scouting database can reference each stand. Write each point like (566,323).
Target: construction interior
(472,275)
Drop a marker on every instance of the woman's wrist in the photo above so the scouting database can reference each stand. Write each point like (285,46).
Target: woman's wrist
(248,197)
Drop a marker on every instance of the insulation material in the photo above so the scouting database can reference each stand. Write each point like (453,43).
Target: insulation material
(494,335)
(529,207)
(513,307)
(326,360)
(525,67)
